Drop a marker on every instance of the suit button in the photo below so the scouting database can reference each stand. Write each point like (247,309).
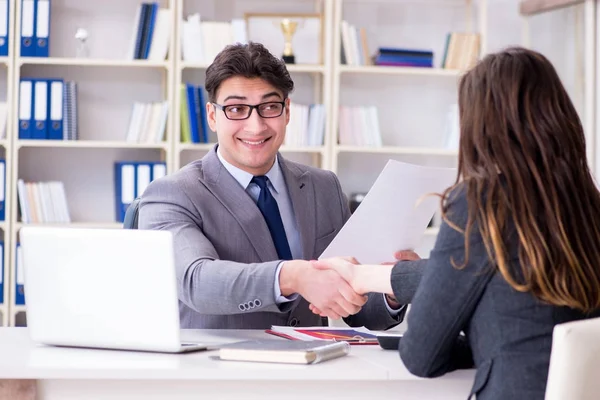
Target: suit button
(242,307)
(257,303)
(294,321)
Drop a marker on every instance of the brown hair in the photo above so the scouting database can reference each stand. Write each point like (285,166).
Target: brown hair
(251,60)
(522,160)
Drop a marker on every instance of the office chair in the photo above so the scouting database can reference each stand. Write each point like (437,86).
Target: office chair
(131,215)
(575,361)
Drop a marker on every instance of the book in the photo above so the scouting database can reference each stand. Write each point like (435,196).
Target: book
(354,336)
(280,351)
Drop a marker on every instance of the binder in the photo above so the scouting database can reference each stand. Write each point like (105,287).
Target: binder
(1,272)
(4,34)
(25,109)
(151,21)
(27,28)
(193,111)
(203,116)
(2,190)
(143,178)
(20,281)
(125,187)
(42,28)
(159,170)
(55,109)
(40,109)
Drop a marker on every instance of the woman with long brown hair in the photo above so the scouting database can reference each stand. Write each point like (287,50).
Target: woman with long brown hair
(519,248)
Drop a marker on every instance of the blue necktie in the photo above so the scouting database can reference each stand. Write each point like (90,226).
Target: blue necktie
(269,209)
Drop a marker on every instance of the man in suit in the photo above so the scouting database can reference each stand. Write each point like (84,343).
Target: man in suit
(245,219)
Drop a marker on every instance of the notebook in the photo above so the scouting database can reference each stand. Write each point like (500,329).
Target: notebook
(354,336)
(279,351)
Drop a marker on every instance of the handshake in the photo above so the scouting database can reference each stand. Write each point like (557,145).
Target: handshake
(336,287)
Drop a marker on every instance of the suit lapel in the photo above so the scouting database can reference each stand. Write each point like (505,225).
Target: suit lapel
(302,195)
(235,199)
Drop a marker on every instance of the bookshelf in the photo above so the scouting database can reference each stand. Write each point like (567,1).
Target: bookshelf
(109,83)
(7,67)
(312,81)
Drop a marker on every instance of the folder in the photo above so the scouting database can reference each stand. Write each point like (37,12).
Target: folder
(2,190)
(4,34)
(1,272)
(193,111)
(20,281)
(125,187)
(27,28)
(55,109)
(40,109)
(42,28)
(25,109)
(147,40)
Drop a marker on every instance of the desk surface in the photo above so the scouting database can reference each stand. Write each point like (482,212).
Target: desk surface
(23,359)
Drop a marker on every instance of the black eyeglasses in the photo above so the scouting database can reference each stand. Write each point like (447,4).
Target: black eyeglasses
(236,112)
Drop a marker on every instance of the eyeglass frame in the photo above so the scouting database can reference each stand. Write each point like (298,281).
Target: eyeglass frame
(252,107)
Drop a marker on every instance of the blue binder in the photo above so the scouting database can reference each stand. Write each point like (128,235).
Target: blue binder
(193,110)
(40,109)
(42,28)
(28,28)
(1,272)
(203,116)
(19,281)
(26,102)
(4,32)
(2,190)
(153,9)
(56,104)
(125,187)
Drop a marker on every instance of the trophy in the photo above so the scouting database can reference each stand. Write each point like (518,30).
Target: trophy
(83,50)
(289,28)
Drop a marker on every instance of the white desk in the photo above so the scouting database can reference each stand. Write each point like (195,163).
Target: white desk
(74,374)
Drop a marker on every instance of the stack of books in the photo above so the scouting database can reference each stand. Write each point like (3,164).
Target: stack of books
(398,57)
(43,202)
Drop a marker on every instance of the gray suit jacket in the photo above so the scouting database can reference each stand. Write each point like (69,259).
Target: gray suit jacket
(507,334)
(224,255)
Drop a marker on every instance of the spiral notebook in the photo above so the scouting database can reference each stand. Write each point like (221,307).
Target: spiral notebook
(354,336)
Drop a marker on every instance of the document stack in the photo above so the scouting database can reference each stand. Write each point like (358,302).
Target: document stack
(47,109)
(131,180)
(148,122)
(35,27)
(43,202)
(201,41)
(359,126)
(151,34)
(306,126)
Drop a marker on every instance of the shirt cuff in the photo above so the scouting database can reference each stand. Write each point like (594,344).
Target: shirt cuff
(393,313)
(279,299)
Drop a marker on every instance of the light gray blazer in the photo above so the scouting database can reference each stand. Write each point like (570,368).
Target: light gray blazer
(224,255)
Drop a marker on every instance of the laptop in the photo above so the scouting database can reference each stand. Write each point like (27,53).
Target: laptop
(102,288)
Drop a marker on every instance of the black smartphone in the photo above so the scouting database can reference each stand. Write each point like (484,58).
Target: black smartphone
(389,341)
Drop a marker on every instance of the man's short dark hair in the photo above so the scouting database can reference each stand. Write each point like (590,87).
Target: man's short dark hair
(251,60)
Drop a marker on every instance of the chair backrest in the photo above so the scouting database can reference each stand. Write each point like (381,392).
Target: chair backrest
(575,361)
(131,215)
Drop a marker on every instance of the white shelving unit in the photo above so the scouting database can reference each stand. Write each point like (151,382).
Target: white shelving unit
(7,67)
(108,85)
(312,82)
(408,133)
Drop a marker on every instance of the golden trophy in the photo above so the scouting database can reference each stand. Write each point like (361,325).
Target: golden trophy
(289,28)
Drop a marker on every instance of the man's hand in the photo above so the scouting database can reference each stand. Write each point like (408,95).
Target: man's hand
(325,289)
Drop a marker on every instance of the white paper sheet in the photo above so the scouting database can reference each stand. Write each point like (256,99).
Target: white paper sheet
(393,215)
